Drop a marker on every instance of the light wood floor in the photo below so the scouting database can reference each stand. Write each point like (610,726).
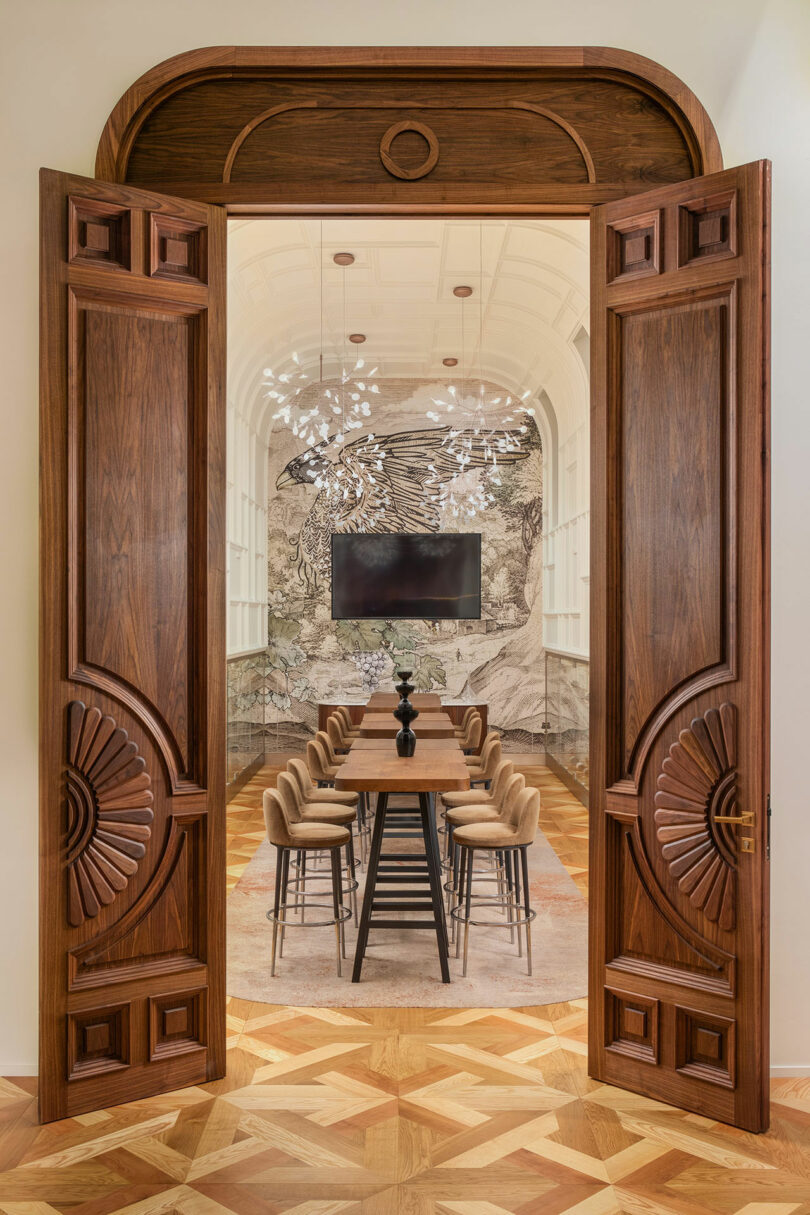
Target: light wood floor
(404,1112)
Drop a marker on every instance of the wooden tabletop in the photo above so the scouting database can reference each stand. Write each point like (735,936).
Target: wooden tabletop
(390,700)
(426,725)
(425,772)
(448,745)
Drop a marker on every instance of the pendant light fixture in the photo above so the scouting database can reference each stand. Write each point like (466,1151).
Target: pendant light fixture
(483,427)
(326,425)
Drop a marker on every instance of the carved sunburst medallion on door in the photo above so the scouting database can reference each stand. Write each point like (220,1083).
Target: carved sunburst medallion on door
(696,784)
(109,811)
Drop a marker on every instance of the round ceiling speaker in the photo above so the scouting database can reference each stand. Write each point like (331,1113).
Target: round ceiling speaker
(450,362)
(462,292)
(343,259)
(357,338)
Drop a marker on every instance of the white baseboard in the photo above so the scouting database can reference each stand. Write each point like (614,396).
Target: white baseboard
(9,1070)
(801,1069)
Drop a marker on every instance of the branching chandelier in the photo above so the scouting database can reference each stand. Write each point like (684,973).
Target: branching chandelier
(480,430)
(484,427)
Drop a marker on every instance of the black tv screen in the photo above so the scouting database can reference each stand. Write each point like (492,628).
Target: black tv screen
(421,575)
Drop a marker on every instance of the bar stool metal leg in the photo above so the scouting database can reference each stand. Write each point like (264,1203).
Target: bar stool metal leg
(525,866)
(285,878)
(467,908)
(337,882)
(276,905)
(460,892)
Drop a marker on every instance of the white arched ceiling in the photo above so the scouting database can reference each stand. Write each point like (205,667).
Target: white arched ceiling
(525,328)
(521,325)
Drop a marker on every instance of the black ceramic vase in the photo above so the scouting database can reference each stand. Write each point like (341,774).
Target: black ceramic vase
(405,713)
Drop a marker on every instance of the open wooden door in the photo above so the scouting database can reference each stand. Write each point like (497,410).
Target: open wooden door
(680,644)
(132,749)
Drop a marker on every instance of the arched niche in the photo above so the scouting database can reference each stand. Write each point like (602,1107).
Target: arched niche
(408,130)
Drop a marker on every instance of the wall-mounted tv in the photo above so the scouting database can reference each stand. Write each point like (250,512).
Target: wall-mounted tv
(406,575)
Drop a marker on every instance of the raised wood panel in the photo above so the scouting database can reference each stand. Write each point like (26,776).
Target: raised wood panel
(260,128)
(680,630)
(164,930)
(132,659)
(674,403)
(135,413)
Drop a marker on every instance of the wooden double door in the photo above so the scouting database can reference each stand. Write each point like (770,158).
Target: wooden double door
(133,657)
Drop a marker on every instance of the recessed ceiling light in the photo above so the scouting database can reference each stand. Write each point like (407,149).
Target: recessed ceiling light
(357,338)
(450,362)
(462,292)
(343,259)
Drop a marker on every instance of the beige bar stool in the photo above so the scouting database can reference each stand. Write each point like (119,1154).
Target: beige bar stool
(304,837)
(482,767)
(511,837)
(343,797)
(350,730)
(507,787)
(323,774)
(299,811)
(332,757)
(337,734)
(461,731)
(472,737)
(320,769)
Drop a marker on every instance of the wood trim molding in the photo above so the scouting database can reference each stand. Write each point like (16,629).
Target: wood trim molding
(467,67)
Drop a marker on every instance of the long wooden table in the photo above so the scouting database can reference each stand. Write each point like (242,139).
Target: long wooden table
(380,701)
(388,745)
(371,770)
(426,725)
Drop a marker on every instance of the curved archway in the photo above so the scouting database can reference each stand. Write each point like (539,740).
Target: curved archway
(274,129)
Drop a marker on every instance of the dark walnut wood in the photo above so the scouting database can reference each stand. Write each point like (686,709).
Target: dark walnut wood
(132,654)
(679,645)
(375,128)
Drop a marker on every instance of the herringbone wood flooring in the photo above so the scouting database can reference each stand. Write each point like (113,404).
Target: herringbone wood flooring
(403,1112)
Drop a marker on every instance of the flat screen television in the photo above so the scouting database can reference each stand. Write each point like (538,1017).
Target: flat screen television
(406,575)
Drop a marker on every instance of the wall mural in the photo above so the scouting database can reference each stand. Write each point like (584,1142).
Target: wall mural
(310,657)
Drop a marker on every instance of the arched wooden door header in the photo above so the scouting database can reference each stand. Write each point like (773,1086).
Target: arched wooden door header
(264,129)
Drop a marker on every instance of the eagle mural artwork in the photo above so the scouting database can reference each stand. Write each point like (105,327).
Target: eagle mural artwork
(416,480)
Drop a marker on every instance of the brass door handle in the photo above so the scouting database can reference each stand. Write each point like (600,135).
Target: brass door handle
(747,818)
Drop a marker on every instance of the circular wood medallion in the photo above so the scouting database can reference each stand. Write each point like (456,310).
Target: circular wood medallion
(427,164)
(343,259)
(357,338)
(463,292)
(450,362)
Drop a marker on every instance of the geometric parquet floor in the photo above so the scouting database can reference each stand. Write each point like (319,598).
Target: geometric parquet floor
(404,1112)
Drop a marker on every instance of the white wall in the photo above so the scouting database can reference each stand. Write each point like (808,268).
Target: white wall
(64,65)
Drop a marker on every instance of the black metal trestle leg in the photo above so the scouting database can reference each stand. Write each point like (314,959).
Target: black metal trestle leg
(379,896)
(371,881)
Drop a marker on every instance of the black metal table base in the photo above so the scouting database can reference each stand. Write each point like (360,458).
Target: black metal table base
(401,881)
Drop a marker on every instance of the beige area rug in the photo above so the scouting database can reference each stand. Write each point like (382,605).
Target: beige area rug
(402,968)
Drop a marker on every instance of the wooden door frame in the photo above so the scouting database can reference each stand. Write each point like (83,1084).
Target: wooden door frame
(585,66)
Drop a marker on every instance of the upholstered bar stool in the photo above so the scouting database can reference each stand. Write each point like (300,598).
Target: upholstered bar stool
(482,767)
(332,756)
(342,797)
(320,769)
(507,787)
(336,733)
(489,800)
(511,837)
(461,731)
(323,774)
(350,730)
(299,811)
(472,737)
(302,837)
